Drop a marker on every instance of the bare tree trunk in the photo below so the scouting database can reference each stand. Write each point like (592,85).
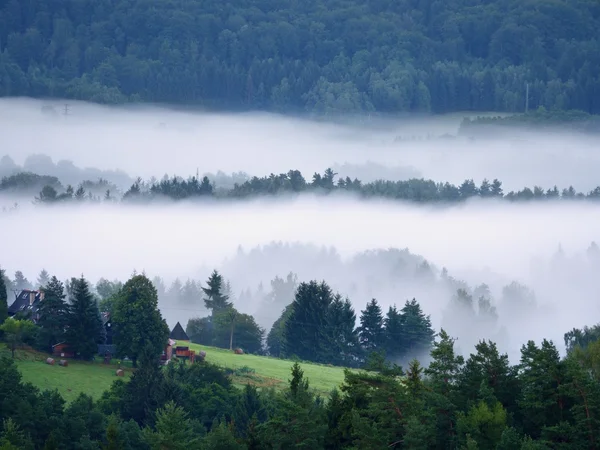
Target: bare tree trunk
(231,335)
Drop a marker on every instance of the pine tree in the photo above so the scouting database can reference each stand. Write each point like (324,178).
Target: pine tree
(174,430)
(84,325)
(43,279)
(305,327)
(3,298)
(394,345)
(215,299)
(417,333)
(53,315)
(371,332)
(146,390)
(275,338)
(21,282)
(137,321)
(340,345)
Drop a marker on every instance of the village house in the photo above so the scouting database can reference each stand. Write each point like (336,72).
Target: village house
(27,304)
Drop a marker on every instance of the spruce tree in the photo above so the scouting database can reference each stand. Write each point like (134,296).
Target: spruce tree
(371,332)
(43,279)
(394,345)
(3,298)
(137,321)
(417,333)
(341,345)
(305,327)
(84,325)
(53,315)
(21,282)
(215,299)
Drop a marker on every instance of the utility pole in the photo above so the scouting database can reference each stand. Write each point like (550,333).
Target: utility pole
(66,111)
(526,98)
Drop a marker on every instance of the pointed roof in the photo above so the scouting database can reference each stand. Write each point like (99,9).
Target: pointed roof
(178,334)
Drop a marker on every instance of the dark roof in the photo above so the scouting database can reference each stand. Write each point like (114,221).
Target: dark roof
(178,334)
(23,302)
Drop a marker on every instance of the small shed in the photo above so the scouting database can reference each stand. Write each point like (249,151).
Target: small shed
(62,350)
(178,333)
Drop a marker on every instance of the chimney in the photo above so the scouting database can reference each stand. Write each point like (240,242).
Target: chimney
(41,295)
(31,298)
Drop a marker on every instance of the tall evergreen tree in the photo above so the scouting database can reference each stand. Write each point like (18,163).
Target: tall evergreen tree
(215,298)
(371,332)
(84,325)
(53,315)
(21,282)
(43,279)
(417,333)
(276,336)
(340,346)
(306,324)
(137,321)
(3,298)
(394,345)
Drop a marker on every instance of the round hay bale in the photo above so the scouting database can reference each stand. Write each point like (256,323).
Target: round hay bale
(203,354)
(50,361)
(63,363)
(239,351)
(120,373)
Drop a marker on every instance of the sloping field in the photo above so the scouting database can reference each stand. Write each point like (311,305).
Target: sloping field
(265,371)
(94,378)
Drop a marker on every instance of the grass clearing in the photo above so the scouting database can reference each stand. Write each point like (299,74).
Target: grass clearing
(271,371)
(94,378)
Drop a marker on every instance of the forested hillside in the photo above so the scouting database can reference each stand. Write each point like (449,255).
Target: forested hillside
(312,56)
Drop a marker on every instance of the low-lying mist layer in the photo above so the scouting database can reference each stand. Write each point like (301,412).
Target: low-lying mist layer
(326,238)
(150,142)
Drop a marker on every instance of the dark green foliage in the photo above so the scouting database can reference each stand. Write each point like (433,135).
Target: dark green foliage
(581,338)
(355,58)
(275,338)
(371,331)
(136,320)
(200,330)
(233,329)
(3,298)
(414,190)
(340,345)
(215,299)
(417,334)
(173,430)
(84,325)
(53,315)
(305,328)
(146,391)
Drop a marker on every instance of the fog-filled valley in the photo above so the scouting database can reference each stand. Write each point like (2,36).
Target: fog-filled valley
(535,257)
(121,144)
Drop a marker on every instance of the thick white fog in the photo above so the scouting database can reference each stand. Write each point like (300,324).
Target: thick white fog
(152,141)
(356,246)
(479,242)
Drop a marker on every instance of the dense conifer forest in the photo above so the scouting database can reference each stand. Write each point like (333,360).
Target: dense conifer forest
(325,58)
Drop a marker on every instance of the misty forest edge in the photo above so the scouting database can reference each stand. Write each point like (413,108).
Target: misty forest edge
(480,402)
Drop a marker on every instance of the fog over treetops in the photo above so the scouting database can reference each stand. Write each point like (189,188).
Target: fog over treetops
(392,251)
(152,141)
(479,242)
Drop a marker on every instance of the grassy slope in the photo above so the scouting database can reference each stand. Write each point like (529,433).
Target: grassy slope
(272,371)
(77,377)
(95,378)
